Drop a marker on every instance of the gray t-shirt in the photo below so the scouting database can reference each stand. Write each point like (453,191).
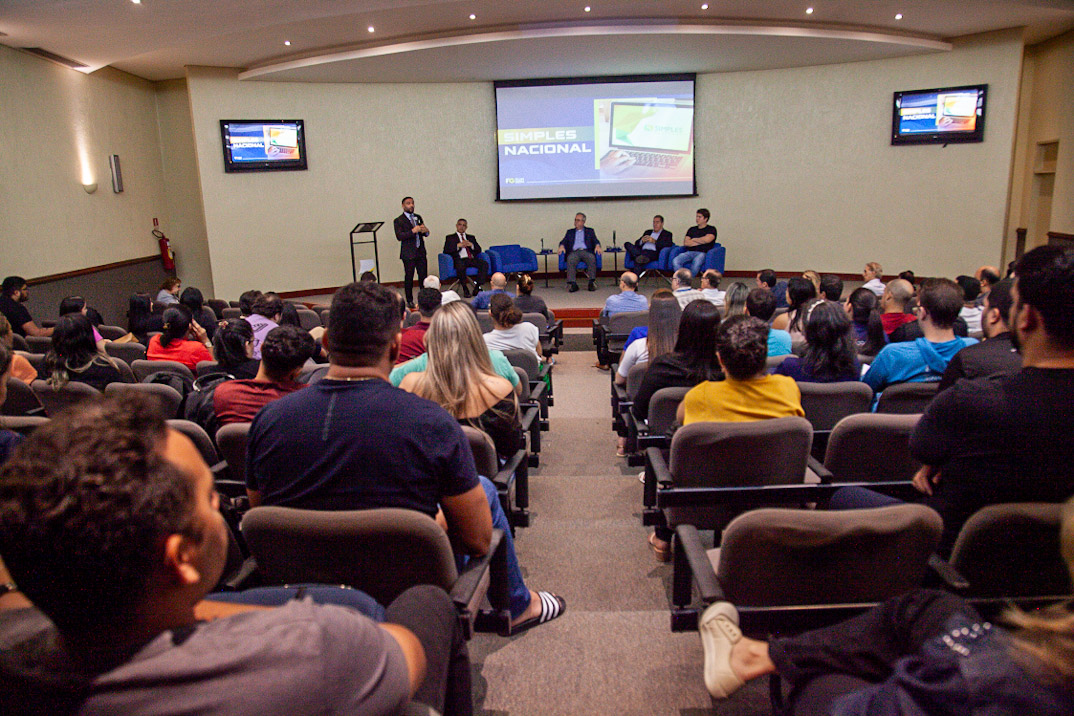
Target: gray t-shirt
(300,658)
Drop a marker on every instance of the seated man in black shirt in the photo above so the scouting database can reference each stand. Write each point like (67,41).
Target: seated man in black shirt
(13,294)
(997,353)
(108,503)
(1009,438)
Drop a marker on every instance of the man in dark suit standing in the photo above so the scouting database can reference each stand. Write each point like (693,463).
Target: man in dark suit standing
(463,250)
(652,241)
(411,232)
(580,244)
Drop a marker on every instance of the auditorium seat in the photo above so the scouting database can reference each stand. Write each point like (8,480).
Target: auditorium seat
(145,368)
(21,400)
(56,399)
(127,352)
(167,396)
(448,277)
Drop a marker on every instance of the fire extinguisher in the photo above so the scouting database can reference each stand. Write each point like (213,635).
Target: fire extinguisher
(167,256)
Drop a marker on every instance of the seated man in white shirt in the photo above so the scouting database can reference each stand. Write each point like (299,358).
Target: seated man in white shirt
(445,296)
(710,287)
(971,309)
(682,287)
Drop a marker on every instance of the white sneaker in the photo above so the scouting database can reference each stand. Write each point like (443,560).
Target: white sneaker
(719,633)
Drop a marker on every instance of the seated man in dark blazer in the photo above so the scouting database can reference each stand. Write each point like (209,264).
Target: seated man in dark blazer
(463,250)
(652,242)
(580,244)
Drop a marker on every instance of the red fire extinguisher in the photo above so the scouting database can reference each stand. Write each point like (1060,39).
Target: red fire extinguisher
(167,256)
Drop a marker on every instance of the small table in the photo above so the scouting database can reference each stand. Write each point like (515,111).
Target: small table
(546,253)
(615,251)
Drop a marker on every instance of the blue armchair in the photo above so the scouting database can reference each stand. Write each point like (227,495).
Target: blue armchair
(512,258)
(581,264)
(661,266)
(447,267)
(714,259)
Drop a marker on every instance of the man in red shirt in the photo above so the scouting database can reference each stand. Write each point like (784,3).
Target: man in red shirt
(285,350)
(413,341)
(893,305)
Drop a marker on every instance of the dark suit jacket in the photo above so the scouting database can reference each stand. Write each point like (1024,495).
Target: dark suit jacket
(590,240)
(407,248)
(662,243)
(451,245)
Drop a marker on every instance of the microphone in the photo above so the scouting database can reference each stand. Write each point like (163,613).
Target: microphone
(542,244)
(613,239)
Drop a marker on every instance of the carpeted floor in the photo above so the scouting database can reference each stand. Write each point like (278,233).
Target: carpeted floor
(613,651)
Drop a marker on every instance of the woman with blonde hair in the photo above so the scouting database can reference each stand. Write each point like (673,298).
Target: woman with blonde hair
(734,301)
(460,378)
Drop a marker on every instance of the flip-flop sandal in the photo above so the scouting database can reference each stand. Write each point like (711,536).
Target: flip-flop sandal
(552,606)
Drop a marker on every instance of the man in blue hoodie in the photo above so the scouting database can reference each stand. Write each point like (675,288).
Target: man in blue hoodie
(924,359)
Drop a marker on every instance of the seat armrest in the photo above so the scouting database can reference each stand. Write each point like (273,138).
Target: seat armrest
(530,412)
(537,390)
(470,578)
(507,472)
(242,576)
(950,576)
(689,540)
(817,467)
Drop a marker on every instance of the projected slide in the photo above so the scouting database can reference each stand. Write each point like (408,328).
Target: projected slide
(596,139)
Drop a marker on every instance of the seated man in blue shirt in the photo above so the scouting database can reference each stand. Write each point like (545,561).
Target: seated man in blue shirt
(924,359)
(760,303)
(498,282)
(628,298)
(580,244)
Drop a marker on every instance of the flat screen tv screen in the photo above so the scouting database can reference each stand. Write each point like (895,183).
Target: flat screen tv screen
(595,137)
(939,116)
(263,145)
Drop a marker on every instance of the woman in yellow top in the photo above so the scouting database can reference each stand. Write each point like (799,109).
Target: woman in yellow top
(747,393)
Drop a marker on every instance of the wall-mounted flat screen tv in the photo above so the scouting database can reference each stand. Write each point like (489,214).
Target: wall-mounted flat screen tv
(263,145)
(939,116)
(595,137)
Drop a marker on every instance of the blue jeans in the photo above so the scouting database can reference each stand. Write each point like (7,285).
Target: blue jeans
(516,586)
(320,593)
(696,259)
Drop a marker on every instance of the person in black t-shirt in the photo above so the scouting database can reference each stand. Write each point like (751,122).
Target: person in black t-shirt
(699,240)
(1008,438)
(14,294)
(997,354)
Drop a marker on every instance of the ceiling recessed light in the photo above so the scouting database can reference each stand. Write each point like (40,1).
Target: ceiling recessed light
(287,42)
(898,16)
(809,11)
(473,17)
(370,28)
(587,8)
(705,6)
(137,2)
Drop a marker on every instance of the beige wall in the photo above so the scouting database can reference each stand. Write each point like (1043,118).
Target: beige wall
(1042,196)
(796,166)
(54,120)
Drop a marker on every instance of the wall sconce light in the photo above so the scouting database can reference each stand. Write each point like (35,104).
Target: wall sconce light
(90,188)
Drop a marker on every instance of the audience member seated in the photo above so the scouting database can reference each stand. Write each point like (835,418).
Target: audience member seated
(699,240)
(814,278)
(460,379)
(265,315)
(800,293)
(872,274)
(526,301)
(182,340)
(74,356)
(865,321)
(831,288)
(412,344)
(247,300)
(988,277)
(997,354)
(628,299)
(509,331)
(204,316)
(761,304)
(289,315)
(710,287)
(649,245)
(13,293)
(20,367)
(923,652)
(909,277)
(76,304)
(692,361)
(109,504)
(734,301)
(233,349)
(893,305)
(445,296)
(169,291)
(767,278)
(1006,437)
(9,440)
(971,310)
(925,359)
(747,391)
(352,441)
(141,321)
(498,284)
(283,354)
(683,288)
(831,354)
(659,340)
